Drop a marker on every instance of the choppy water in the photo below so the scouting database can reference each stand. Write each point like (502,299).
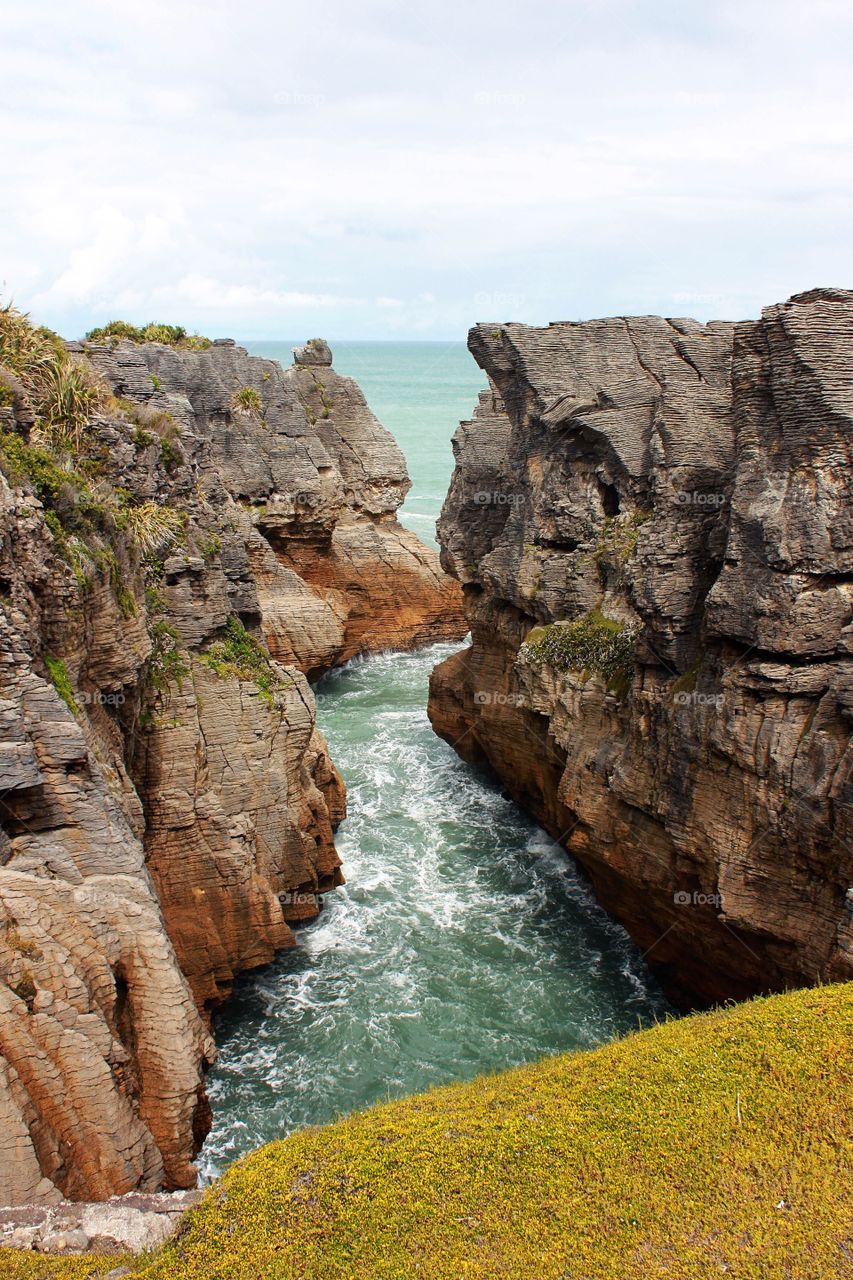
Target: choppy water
(463,941)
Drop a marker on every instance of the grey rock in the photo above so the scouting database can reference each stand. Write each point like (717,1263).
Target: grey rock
(693,482)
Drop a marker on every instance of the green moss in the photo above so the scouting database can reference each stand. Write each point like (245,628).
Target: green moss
(593,643)
(24,946)
(718,1144)
(57,483)
(240,654)
(61,681)
(19,1265)
(25,989)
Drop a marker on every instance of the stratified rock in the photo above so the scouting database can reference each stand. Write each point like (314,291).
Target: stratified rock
(692,484)
(167,804)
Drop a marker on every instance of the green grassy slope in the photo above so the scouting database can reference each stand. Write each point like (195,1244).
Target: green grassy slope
(718,1145)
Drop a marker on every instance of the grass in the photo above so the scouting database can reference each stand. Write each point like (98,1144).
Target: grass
(63,390)
(248,401)
(593,643)
(718,1144)
(713,1145)
(170,335)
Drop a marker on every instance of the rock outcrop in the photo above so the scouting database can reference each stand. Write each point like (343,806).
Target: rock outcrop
(167,804)
(652,522)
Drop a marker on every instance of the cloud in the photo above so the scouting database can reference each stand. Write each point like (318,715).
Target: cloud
(394,166)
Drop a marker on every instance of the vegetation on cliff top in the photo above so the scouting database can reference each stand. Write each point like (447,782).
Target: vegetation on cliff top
(718,1144)
(170,335)
(62,391)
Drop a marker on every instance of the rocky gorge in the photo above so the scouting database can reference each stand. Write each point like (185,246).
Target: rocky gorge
(651,523)
(175,562)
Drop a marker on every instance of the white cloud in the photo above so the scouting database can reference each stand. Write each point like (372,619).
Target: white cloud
(260,169)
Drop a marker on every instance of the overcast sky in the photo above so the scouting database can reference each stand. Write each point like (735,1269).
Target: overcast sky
(389,169)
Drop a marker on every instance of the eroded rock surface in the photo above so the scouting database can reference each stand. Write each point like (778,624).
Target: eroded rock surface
(167,804)
(691,485)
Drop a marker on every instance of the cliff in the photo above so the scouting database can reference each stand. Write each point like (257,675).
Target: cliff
(167,804)
(651,520)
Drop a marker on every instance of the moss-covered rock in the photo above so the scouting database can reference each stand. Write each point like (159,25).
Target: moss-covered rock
(592,643)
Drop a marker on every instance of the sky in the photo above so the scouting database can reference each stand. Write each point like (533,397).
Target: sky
(389,170)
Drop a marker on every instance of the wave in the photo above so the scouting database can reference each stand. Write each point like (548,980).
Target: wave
(465,939)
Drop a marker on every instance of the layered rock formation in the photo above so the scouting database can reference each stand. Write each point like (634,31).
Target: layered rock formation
(652,522)
(167,804)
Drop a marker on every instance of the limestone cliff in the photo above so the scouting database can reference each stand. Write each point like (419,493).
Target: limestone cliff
(652,522)
(167,804)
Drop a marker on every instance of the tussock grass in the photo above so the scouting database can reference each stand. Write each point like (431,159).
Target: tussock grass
(64,391)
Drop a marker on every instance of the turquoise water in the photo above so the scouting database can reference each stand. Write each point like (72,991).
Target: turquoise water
(419,391)
(464,941)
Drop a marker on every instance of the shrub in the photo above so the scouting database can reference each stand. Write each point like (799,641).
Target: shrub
(71,395)
(619,537)
(247,400)
(170,335)
(154,527)
(167,664)
(593,643)
(211,547)
(63,390)
(240,654)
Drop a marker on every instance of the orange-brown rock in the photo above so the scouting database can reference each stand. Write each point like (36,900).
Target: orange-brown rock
(167,804)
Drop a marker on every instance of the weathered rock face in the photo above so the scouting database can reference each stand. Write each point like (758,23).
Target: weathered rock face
(167,804)
(687,488)
(102,1050)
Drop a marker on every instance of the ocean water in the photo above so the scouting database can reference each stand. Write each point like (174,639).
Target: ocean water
(419,391)
(464,940)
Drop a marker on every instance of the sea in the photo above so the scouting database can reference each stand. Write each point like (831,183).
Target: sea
(465,940)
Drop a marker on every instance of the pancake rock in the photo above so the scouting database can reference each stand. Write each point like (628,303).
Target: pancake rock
(167,804)
(653,526)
